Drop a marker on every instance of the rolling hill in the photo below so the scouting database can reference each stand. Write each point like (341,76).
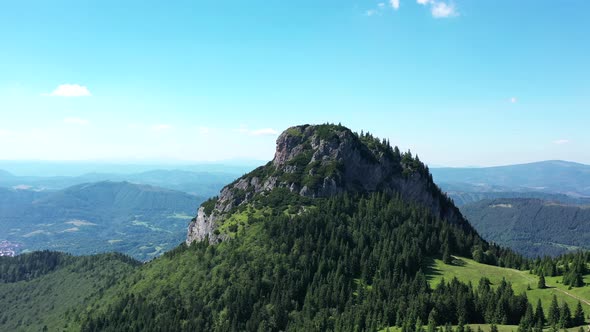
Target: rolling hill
(140,220)
(532,227)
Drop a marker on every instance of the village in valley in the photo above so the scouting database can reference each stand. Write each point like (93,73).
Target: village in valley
(8,248)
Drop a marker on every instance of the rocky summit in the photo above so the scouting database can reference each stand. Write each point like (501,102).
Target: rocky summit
(316,161)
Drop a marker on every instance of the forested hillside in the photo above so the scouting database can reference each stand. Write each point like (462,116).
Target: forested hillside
(292,260)
(349,261)
(532,227)
(49,291)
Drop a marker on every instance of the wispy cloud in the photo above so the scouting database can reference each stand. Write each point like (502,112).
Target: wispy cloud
(76,121)
(381,7)
(4,132)
(440,9)
(561,141)
(513,100)
(69,90)
(371,12)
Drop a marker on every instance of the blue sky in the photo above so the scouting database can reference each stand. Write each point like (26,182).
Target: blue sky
(463,82)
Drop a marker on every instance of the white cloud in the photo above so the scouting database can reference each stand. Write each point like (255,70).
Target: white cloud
(442,10)
(381,6)
(439,9)
(371,12)
(161,127)
(76,121)
(561,141)
(4,132)
(514,100)
(69,90)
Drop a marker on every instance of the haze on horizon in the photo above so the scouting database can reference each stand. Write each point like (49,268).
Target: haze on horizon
(461,83)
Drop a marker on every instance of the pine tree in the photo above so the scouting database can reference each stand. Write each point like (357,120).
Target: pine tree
(447,259)
(542,284)
(419,327)
(539,314)
(460,327)
(565,317)
(448,328)
(493,328)
(432,321)
(528,320)
(579,315)
(554,312)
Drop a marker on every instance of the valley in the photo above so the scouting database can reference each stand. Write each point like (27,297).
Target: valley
(138,220)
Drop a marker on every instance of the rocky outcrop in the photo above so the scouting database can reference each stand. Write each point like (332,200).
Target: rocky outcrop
(325,160)
(201,227)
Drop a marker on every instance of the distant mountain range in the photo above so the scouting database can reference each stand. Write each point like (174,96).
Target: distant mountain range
(537,209)
(532,227)
(554,177)
(140,220)
(467,197)
(42,168)
(196,183)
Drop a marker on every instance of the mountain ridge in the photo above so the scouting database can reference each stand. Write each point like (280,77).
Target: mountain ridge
(554,176)
(139,220)
(319,161)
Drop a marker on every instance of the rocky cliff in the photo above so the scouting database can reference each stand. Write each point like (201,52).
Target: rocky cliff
(324,160)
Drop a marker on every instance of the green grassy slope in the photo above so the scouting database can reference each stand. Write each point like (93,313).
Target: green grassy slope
(61,295)
(468,270)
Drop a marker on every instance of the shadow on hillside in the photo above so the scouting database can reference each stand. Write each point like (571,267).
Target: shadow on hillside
(458,262)
(431,271)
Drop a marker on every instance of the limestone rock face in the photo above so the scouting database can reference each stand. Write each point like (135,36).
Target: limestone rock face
(201,227)
(325,160)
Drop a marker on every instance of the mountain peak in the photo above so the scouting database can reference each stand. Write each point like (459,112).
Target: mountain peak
(307,140)
(315,161)
(322,160)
